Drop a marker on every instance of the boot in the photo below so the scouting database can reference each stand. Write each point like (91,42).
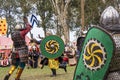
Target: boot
(65,69)
(10,72)
(7,77)
(53,73)
(18,74)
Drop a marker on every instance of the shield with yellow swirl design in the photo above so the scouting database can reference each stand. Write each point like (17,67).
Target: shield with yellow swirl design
(52,46)
(96,54)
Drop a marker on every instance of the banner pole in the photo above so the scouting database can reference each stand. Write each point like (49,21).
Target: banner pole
(82,14)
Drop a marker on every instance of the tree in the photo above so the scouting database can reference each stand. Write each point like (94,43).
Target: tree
(61,11)
(45,12)
(8,11)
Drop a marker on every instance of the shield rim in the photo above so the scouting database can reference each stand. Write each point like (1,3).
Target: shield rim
(97,27)
(61,46)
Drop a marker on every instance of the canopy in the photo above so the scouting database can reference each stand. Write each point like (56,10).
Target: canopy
(6,43)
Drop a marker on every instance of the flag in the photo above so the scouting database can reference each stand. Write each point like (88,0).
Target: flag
(3,26)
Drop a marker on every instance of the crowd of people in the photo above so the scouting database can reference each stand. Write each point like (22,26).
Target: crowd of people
(36,59)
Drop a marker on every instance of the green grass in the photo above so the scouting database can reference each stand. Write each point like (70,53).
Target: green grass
(40,74)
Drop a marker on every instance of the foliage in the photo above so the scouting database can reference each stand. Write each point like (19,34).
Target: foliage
(46,13)
(74,14)
(13,10)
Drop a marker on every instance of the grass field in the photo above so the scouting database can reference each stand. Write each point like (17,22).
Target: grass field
(40,74)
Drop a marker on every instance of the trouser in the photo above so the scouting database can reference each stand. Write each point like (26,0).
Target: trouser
(44,62)
(20,67)
(53,72)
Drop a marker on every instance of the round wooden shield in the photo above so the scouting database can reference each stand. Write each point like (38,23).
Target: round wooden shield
(52,46)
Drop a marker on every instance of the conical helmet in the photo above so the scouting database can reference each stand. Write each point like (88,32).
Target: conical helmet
(110,19)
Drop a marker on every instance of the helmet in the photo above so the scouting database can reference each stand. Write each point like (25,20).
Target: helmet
(18,27)
(110,19)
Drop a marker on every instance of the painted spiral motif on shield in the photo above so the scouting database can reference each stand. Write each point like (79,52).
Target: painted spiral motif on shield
(52,46)
(94,55)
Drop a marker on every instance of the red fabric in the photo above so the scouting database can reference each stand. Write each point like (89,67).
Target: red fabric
(56,59)
(37,49)
(25,31)
(17,55)
(65,59)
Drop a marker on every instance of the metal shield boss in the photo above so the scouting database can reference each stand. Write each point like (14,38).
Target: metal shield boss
(96,54)
(52,46)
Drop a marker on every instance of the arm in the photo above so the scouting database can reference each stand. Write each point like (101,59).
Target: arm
(27,29)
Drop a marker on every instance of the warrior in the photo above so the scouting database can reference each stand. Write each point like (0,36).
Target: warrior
(110,21)
(33,54)
(79,45)
(100,56)
(53,63)
(20,52)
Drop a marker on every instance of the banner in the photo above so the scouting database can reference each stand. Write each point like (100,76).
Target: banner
(3,26)
(33,20)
